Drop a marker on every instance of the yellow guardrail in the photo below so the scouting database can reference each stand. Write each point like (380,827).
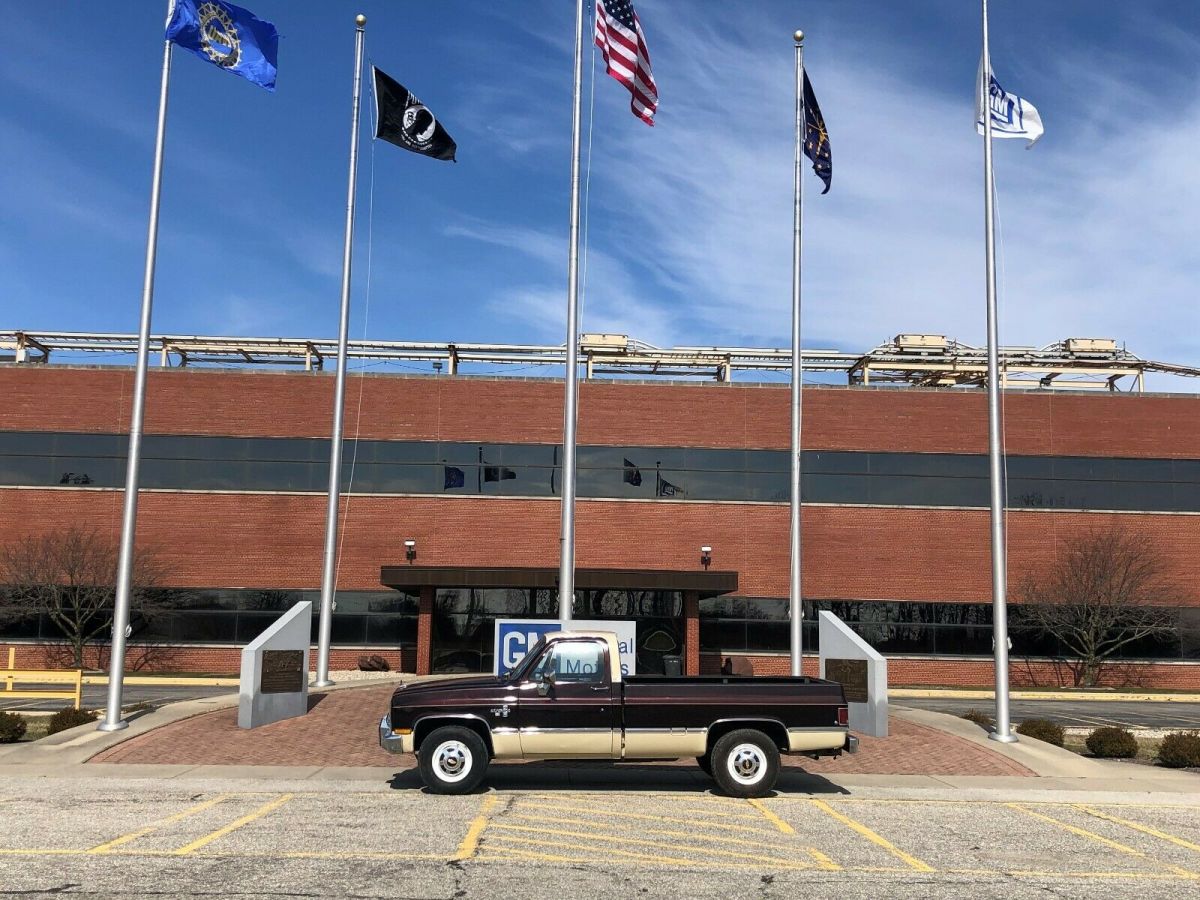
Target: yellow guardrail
(13,676)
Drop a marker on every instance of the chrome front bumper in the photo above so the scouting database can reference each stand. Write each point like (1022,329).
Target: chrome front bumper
(392,742)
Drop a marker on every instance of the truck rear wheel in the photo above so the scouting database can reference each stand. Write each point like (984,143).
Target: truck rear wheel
(745,763)
(453,760)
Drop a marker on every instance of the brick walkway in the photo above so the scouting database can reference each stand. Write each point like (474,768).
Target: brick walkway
(341,730)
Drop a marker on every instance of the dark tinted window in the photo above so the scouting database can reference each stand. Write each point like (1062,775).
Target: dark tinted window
(200,462)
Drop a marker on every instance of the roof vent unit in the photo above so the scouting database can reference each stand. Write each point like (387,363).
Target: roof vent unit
(921,343)
(604,343)
(1091,345)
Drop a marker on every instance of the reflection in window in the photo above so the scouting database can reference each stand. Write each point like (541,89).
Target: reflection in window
(203,462)
(573,662)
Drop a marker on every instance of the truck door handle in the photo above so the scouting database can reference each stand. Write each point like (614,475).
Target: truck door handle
(599,687)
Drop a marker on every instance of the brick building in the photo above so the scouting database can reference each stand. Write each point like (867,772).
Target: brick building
(895,519)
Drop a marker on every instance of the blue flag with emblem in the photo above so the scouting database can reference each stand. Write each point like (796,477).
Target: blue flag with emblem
(816,138)
(227,36)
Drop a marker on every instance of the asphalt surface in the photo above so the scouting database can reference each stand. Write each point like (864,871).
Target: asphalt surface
(386,838)
(1078,713)
(96,696)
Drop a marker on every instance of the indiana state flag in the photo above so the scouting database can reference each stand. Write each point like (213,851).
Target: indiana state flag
(227,36)
(1012,117)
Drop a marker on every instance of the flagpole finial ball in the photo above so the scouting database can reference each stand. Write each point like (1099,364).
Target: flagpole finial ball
(799,37)
(360,20)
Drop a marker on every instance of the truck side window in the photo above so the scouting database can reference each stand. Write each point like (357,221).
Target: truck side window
(573,662)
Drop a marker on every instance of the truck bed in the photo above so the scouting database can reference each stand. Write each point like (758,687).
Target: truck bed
(657,701)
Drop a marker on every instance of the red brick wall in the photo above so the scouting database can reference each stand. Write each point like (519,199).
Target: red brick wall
(287,404)
(275,540)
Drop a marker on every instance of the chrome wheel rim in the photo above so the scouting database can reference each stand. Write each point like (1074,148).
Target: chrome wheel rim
(452,761)
(746,764)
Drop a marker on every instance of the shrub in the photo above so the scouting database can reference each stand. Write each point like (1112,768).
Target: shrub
(980,718)
(1112,743)
(69,718)
(1042,730)
(1180,750)
(12,727)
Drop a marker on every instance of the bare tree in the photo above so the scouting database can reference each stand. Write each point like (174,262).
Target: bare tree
(69,576)
(1108,589)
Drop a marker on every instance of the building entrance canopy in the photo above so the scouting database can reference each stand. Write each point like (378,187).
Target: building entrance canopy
(413,578)
(459,606)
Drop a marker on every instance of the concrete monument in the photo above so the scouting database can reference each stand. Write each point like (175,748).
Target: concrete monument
(848,659)
(274,683)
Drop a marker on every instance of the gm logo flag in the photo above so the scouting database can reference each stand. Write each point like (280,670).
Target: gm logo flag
(1012,117)
(227,36)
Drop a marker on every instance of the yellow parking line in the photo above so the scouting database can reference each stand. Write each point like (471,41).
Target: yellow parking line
(695,823)
(232,826)
(691,835)
(771,817)
(621,839)
(603,810)
(913,863)
(1126,876)
(134,835)
(1100,839)
(470,843)
(755,862)
(823,861)
(1138,826)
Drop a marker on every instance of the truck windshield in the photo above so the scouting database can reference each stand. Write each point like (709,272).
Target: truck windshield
(521,669)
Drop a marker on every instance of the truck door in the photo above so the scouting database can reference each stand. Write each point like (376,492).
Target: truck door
(565,707)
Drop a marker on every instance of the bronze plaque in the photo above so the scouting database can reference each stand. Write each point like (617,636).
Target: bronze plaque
(282,672)
(852,674)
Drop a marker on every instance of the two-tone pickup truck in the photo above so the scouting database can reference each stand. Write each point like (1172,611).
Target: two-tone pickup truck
(567,700)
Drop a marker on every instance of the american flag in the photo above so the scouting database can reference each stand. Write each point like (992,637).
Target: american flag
(619,37)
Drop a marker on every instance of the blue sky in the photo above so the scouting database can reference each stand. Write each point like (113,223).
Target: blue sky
(689,222)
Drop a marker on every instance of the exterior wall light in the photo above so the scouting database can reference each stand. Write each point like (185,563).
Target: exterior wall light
(706,557)
(410,551)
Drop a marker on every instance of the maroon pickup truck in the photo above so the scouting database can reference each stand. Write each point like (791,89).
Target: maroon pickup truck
(567,700)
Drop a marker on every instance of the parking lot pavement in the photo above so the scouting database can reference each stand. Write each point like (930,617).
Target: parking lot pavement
(370,838)
(1078,713)
(95,696)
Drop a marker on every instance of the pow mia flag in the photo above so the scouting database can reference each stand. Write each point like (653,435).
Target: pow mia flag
(403,120)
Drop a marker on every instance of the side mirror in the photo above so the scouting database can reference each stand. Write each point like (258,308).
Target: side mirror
(546,683)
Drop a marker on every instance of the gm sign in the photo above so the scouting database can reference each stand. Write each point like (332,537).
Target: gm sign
(515,638)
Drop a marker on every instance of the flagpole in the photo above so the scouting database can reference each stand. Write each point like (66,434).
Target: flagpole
(329,572)
(1003,731)
(566,565)
(116,673)
(796,606)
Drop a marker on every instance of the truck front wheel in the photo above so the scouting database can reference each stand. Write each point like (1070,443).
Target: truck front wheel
(745,763)
(453,760)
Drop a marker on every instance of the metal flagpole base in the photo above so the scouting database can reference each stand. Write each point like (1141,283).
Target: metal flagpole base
(328,682)
(112,726)
(1003,738)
